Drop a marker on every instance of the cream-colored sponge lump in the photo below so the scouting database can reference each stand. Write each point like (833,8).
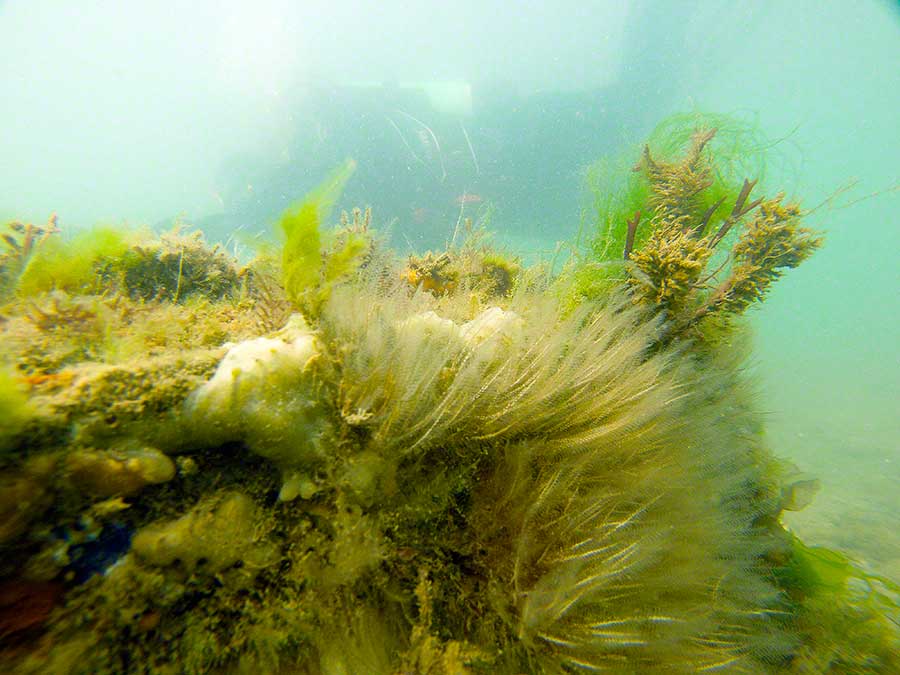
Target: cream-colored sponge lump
(264,394)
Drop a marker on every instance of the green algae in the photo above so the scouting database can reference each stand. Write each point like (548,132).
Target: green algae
(831,595)
(71,266)
(312,261)
(15,407)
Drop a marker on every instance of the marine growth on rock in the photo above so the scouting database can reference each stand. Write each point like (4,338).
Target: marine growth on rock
(339,460)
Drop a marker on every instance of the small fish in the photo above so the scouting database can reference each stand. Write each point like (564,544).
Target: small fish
(468,198)
(798,495)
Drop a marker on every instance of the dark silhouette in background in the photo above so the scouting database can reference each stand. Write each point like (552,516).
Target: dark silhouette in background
(519,155)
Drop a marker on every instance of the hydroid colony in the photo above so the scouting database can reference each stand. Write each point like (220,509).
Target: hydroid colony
(339,464)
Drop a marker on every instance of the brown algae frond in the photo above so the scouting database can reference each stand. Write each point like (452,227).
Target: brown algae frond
(686,234)
(671,271)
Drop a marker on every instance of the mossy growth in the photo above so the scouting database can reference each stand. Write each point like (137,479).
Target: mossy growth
(113,296)
(619,192)
(474,267)
(174,266)
(502,494)
(671,271)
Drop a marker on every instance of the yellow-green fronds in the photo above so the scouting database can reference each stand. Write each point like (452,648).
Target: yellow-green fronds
(619,190)
(667,271)
(610,560)
(72,266)
(301,256)
(676,186)
(412,375)
(311,265)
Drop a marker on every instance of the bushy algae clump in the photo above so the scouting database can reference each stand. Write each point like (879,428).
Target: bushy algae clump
(346,467)
(686,235)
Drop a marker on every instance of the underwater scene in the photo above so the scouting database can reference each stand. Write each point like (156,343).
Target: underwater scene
(464,338)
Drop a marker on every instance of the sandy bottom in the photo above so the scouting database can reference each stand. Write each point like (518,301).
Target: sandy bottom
(858,507)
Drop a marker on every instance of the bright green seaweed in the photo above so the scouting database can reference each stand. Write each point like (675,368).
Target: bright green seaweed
(72,266)
(310,272)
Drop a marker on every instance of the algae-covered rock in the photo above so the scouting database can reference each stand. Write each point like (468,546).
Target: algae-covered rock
(24,495)
(508,485)
(134,399)
(471,266)
(105,473)
(213,536)
(176,266)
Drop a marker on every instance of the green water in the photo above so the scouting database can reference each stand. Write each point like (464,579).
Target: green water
(142,111)
(827,76)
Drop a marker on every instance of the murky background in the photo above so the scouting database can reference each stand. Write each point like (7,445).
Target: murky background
(222,113)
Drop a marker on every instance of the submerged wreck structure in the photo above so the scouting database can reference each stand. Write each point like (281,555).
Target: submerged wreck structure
(333,461)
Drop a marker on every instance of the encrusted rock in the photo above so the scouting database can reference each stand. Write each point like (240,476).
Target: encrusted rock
(24,495)
(212,537)
(104,473)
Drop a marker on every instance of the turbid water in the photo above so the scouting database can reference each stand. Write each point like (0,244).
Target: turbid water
(221,115)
